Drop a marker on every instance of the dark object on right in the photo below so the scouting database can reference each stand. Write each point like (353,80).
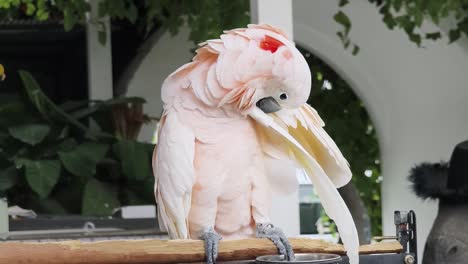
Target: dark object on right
(448,239)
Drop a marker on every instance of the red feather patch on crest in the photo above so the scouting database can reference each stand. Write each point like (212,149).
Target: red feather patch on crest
(271,44)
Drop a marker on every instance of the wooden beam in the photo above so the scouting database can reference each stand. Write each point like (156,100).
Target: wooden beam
(162,251)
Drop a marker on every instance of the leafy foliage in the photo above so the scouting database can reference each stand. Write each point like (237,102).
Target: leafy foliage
(99,198)
(138,165)
(42,175)
(410,15)
(30,133)
(342,19)
(349,124)
(206,18)
(53,161)
(83,159)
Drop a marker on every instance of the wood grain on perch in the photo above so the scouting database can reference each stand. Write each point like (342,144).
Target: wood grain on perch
(162,251)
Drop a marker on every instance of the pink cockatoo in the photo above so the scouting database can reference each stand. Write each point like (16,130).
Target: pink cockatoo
(235,129)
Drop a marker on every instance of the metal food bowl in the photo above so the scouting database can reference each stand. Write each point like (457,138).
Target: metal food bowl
(313,258)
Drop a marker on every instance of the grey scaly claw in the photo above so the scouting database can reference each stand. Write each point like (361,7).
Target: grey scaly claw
(211,239)
(278,238)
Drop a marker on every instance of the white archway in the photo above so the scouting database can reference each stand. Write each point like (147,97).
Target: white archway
(362,84)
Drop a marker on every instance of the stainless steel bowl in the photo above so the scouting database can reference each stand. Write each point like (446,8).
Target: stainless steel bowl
(313,258)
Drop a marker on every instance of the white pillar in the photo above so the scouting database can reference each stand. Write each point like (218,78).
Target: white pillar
(99,56)
(278,13)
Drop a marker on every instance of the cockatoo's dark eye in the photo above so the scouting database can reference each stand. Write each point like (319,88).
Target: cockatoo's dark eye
(283,96)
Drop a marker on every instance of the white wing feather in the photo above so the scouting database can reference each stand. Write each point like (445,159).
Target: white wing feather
(174,171)
(331,200)
(307,127)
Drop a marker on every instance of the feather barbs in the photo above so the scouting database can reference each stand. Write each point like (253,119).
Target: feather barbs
(242,97)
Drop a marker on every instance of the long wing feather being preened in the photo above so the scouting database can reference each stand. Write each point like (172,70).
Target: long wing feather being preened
(301,130)
(306,126)
(173,169)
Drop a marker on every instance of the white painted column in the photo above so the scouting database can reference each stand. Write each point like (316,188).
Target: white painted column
(99,56)
(278,13)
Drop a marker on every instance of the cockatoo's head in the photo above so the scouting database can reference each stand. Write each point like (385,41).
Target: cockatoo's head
(248,68)
(286,81)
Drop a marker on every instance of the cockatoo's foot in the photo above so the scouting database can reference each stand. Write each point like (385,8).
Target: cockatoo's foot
(211,239)
(278,238)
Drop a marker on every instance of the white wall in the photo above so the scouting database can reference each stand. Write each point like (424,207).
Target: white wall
(168,54)
(416,96)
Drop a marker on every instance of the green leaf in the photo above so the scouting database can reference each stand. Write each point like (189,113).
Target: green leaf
(102,37)
(416,38)
(397,5)
(346,43)
(69,20)
(67,145)
(42,175)
(102,105)
(31,134)
(433,35)
(21,162)
(64,133)
(343,3)
(51,150)
(30,9)
(355,50)
(342,19)
(8,178)
(341,36)
(99,199)
(134,158)
(74,105)
(389,21)
(454,35)
(51,206)
(132,13)
(95,151)
(43,104)
(83,160)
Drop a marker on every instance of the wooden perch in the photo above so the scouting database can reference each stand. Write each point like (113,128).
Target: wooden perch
(162,251)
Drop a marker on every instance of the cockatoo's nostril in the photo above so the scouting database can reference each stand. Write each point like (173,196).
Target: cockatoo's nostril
(268,105)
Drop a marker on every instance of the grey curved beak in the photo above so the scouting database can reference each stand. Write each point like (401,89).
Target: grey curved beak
(268,105)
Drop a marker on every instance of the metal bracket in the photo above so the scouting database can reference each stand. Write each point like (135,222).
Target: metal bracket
(405,224)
